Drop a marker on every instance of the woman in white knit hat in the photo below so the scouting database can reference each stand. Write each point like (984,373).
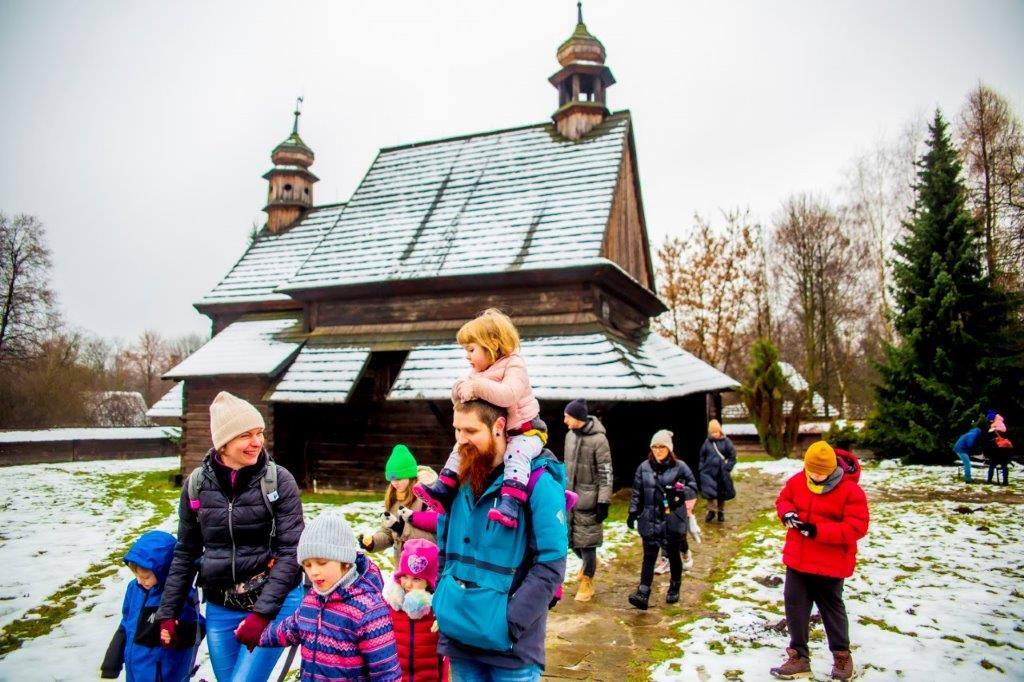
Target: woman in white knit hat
(658,511)
(240,519)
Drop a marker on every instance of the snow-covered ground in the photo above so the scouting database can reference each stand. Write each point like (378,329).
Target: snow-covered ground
(936,596)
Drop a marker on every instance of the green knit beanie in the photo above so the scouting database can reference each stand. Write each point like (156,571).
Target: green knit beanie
(401,464)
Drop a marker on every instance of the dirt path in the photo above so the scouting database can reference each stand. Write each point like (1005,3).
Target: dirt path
(607,639)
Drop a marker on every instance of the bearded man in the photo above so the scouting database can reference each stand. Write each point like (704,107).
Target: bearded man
(491,601)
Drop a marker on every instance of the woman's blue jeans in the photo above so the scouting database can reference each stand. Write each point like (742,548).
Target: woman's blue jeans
(466,670)
(965,458)
(231,661)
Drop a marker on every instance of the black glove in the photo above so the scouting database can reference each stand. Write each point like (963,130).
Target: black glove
(807,529)
(631,521)
(602,511)
(790,520)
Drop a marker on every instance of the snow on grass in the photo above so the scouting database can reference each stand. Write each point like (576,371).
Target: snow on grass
(616,536)
(936,596)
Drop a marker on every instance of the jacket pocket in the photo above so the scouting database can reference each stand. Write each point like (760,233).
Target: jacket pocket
(588,497)
(473,615)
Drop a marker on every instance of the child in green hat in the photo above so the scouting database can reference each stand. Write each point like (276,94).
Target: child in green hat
(405,516)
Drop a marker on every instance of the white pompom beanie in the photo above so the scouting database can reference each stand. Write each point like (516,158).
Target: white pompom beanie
(231,416)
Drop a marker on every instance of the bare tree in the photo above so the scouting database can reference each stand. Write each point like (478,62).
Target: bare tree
(706,283)
(878,189)
(992,147)
(149,358)
(26,301)
(820,263)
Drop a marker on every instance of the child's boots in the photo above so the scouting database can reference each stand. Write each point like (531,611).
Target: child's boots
(438,495)
(673,592)
(506,513)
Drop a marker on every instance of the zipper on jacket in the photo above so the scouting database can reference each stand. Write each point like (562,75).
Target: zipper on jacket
(412,649)
(231,532)
(316,635)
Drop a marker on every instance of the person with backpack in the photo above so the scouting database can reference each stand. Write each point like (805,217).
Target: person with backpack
(497,581)
(998,449)
(717,459)
(239,523)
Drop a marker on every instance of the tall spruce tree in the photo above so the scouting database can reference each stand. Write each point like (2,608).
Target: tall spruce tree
(956,353)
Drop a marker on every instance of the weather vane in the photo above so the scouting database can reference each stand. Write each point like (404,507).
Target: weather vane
(298,112)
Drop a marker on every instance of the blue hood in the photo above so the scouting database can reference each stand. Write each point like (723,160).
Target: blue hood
(153,552)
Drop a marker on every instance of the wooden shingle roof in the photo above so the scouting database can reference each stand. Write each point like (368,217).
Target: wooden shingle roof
(517,199)
(271,259)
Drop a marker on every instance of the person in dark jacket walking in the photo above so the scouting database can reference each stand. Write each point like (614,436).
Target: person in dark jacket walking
(136,643)
(241,540)
(661,487)
(717,458)
(588,469)
(826,513)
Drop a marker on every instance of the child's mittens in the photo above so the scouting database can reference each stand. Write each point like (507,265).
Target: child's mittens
(790,520)
(248,633)
(417,603)
(807,529)
(394,595)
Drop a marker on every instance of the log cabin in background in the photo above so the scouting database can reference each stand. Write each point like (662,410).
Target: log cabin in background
(339,321)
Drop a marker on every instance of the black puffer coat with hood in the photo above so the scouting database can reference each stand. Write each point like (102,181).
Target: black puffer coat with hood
(230,537)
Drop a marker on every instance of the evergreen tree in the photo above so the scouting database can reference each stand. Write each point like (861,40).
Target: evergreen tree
(955,353)
(764,395)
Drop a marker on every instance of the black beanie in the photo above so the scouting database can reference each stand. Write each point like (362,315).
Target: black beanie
(577,409)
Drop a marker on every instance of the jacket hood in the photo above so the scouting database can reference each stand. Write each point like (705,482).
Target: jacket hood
(369,581)
(593,425)
(153,552)
(849,463)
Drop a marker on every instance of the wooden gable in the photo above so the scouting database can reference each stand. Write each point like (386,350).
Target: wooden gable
(625,238)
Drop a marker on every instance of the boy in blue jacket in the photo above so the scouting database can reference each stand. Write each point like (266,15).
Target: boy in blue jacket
(136,643)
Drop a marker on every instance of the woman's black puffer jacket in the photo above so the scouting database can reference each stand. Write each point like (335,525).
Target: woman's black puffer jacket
(652,483)
(230,536)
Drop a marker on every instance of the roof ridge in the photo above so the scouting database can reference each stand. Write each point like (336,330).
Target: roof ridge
(485,133)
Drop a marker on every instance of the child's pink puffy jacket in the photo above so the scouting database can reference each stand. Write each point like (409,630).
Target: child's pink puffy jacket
(505,384)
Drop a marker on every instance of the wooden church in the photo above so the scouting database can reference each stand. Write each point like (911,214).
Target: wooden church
(339,320)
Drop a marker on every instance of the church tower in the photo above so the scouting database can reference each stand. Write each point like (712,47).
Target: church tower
(290,191)
(582,82)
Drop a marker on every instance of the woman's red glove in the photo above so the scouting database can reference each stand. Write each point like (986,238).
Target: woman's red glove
(250,629)
(167,629)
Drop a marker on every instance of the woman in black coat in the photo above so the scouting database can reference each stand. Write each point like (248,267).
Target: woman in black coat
(239,522)
(717,458)
(657,509)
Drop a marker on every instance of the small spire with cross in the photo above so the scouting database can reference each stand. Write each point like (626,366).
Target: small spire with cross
(298,112)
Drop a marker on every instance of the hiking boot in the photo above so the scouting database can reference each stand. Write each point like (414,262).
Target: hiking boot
(842,666)
(687,561)
(585,592)
(710,516)
(438,495)
(795,667)
(641,597)
(673,592)
(721,517)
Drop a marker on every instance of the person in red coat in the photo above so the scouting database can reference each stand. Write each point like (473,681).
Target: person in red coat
(410,597)
(826,513)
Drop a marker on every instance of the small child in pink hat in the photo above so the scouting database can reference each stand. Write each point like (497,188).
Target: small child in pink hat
(410,596)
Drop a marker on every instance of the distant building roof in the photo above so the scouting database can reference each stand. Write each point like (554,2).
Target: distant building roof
(517,199)
(171,404)
(272,259)
(259,344)
(115,433)
(797,382)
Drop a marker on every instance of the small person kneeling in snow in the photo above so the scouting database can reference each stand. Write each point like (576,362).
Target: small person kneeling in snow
(826,513)
(410,597)
(136,643)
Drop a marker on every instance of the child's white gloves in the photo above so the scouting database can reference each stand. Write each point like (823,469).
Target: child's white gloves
(694,529)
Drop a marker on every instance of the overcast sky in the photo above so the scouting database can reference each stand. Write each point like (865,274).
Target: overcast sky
(138,131)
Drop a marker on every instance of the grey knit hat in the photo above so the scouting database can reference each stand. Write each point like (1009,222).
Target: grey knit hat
(328,536)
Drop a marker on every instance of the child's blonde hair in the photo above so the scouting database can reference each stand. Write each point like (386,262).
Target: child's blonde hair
(493,331)
(391,495)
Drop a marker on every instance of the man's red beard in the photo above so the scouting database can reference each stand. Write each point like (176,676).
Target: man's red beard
(475,467)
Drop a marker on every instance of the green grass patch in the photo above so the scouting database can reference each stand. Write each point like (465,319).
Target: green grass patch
(155,488)
(342,497)
(954,638)
(882,625)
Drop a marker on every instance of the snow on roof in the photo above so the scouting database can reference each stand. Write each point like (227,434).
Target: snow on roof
(114,433)
(171,404)
(272,259)
(321,374)
(524,198)
(596,366)
(254,344)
